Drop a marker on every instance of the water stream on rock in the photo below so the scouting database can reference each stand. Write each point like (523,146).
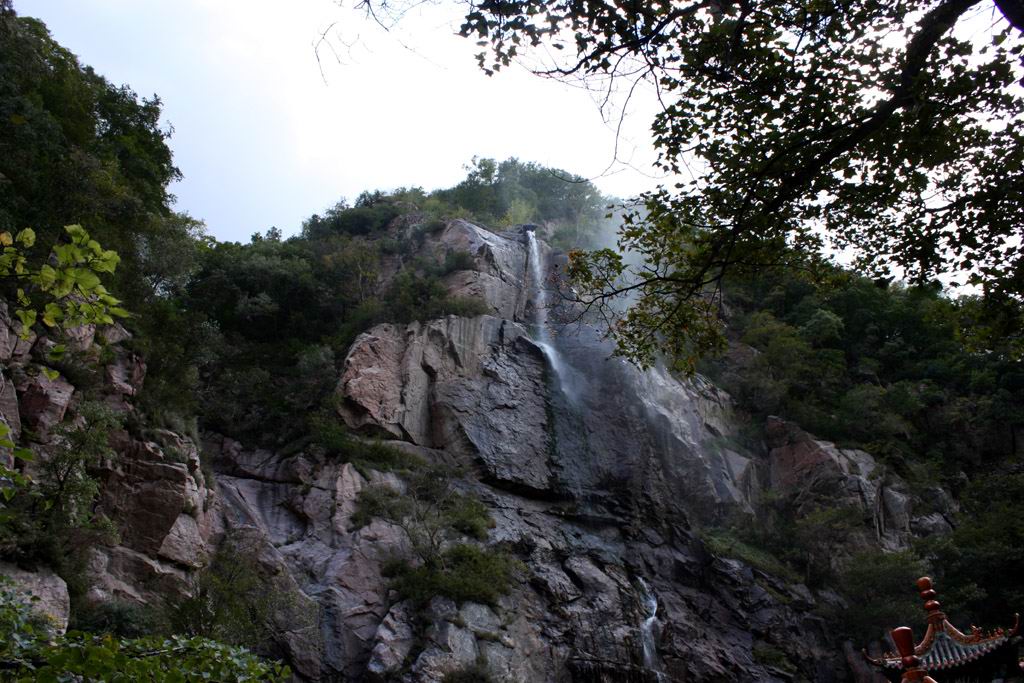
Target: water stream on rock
(647,632)
(541,305)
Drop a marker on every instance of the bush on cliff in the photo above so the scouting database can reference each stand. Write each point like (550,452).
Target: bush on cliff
(463,572)
(437,519)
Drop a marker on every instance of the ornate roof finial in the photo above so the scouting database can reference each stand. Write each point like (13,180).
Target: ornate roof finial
(931,605)
(903,637)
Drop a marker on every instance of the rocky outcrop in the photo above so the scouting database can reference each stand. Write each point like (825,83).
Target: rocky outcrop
(484,388)
(42,401)
(473,387)
(154,490)
(816,474)
(499,273)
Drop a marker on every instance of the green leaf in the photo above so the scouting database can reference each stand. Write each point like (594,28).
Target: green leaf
(50,373)
(24,454)
(86,279)
(28,319)
(27,237)
(53,314)
(77,233)
(47,276)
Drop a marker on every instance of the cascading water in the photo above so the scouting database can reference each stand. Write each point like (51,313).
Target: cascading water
(541,305)
(650,652)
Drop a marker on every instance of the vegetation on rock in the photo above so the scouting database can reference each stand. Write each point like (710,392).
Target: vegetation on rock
(437,519)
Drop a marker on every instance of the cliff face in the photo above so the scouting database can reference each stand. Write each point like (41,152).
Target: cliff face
(592,470)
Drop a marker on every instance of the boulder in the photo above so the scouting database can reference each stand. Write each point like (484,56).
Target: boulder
(125,374)
(121,573)
(393,642)
(43,401)
(12,347)
(184,543)
(44,590)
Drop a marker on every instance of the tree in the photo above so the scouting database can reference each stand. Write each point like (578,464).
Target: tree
(884,127)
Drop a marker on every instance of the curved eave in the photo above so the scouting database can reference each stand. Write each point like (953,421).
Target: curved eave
(947,647)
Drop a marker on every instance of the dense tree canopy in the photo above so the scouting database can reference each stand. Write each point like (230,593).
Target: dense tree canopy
(882,127)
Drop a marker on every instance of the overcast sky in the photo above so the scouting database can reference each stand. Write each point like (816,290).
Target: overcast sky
(267,136)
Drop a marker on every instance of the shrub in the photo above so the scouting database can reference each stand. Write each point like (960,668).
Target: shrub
(879,587)
(54,519)
(332,436)
(723,542)
(457,260)
(463,572)
(118,617)
(769,655)
(29,651)
(236,601)
(476,673)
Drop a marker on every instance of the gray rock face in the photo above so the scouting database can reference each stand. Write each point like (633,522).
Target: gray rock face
(472,387)
(393,641)
(9,412)
(499,273)
(299,509)
(590,468)
(46,590)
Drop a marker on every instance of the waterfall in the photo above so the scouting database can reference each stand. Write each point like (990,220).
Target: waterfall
(543,339)
(650,652)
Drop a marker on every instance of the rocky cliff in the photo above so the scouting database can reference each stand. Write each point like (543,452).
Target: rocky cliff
(595,473)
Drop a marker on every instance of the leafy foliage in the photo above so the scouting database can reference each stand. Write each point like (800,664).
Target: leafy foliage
(511,192)
(880,367)
(30,652)
(340,445)
(62,289)
(121,618)
(725,543)
(977,564)
(880,589)
(462,572)
(76,149)
(234,600)
(477,673)
(882,128)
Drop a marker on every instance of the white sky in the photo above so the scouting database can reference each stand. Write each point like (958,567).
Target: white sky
(263,140)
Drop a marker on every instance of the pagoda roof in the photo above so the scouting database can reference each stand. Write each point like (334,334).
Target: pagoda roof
(944,646)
